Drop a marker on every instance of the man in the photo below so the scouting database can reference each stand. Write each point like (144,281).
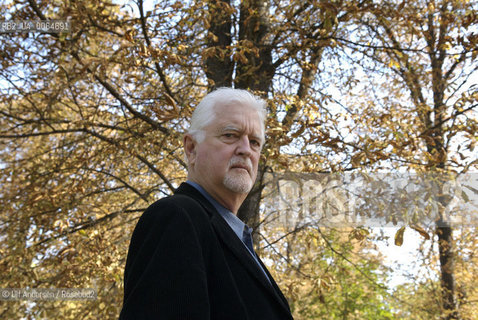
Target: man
(190,257)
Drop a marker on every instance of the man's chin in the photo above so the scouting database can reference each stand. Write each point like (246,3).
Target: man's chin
(236,186)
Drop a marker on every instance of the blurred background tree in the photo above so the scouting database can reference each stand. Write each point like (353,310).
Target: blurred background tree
(91,123)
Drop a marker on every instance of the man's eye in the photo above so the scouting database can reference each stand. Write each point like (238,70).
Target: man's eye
(255,143)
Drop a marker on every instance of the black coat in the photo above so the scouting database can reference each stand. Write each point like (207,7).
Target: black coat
(186,263)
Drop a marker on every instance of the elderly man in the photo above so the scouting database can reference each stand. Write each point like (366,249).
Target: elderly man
(190,257)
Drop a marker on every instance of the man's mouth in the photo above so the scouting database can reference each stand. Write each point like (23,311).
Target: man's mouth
(240,167)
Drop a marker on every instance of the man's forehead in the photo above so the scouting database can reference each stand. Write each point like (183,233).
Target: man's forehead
(237,117)
(239,127)
(235,108)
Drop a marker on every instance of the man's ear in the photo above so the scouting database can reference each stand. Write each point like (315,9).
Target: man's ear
(189,144)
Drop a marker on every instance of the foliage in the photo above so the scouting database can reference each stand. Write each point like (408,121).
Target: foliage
(91,123)
(420,298)
(329,274)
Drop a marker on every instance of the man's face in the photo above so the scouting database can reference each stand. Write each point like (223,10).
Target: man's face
(228,157)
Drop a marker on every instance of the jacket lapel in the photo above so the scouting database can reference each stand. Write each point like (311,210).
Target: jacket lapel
(233,243)
(229,238)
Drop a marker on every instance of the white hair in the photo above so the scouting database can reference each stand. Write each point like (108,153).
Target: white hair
(204,113)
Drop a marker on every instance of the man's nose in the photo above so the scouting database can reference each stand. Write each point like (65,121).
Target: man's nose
(244,146)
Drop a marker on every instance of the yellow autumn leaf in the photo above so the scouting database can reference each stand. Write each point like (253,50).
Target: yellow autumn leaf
(394,64)
(399,236)
(421,231)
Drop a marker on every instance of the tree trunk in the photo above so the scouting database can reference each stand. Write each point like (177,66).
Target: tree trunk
(447,268)
(219,66)
(249,212)
(254,68)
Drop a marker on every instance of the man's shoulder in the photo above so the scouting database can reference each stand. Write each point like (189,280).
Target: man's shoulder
(176,206)
(179,212)
(176,201)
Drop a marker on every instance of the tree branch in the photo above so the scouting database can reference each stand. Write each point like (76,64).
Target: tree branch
(159,70)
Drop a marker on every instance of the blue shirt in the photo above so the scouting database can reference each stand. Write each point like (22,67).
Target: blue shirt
(232,220)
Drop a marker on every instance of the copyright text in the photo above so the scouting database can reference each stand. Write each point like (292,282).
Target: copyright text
(42,294)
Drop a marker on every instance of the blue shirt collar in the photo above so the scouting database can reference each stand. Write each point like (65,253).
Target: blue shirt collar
(232,220)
